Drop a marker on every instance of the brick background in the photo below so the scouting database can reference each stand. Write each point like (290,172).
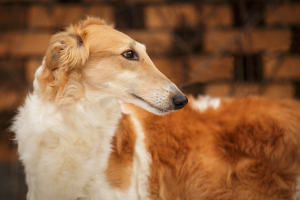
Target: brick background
(171,16)
(216,47)
(289,68)
(40,16)
(203,69)
(249,41)
(283,14)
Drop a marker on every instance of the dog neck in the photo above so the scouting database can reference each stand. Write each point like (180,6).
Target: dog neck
(92,111)
(100,116)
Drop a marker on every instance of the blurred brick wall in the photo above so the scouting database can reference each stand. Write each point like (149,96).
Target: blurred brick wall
(216,47)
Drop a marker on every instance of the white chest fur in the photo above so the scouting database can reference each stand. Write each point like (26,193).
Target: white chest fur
(65,151)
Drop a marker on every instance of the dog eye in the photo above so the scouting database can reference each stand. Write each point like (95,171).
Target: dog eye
(130,55)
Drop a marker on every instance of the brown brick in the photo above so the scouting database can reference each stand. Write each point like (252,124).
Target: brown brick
(30,68)
(217,40)
(270,63)
(271,40)
(64,15)
(289,67)
(105,12)
(176,15)
(283,14)
(242,90)
(156,42)
(8,41)
(24,44)
(9,99)
(203,69)
(57,16)
(279,91)
(253,41)
(33,44)
(12,16)
(7,154)
(218,90)
(40,16)
(171,68)
(212,15)
(12,74)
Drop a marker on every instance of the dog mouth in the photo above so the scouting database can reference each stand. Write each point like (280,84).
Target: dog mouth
(150,104)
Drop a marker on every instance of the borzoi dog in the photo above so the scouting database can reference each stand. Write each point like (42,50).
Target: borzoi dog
(94,128)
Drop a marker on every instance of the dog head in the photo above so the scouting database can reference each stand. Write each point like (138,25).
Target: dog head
(91,60)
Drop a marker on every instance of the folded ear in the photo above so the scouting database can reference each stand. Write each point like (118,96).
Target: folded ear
(67,50)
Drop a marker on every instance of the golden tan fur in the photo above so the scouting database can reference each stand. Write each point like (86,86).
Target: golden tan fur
(65,56)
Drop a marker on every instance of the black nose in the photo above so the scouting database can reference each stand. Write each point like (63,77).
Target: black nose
(179,101)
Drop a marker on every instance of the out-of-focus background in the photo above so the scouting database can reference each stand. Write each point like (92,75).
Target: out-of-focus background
(215,47)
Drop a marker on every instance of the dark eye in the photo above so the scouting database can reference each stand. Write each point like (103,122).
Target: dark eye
(130,55)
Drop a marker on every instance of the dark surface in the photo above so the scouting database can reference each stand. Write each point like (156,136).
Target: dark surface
(295,47)
(248,10)
(248,68)
(12,184)
(297,89)
(129,16)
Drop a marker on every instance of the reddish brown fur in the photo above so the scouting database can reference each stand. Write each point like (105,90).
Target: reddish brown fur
(248,148)
(121,159)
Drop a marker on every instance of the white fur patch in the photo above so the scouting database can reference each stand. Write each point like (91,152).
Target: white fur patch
(65,159)
(37,72)
(203,102)
(297,190)
(142,161)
